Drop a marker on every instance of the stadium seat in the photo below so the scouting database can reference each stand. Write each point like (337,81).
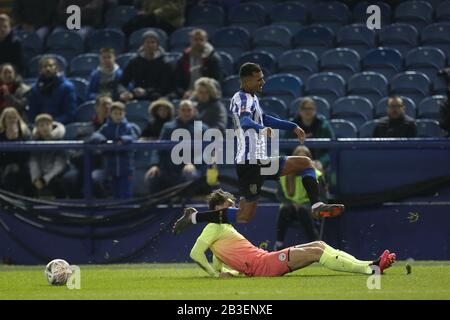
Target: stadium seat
(367,129)
(33,66)
(428,128)
(300,62)
(81,86)
(274,107)
(327,85)
(230,86)
(356,104)
(83,65)
(285,87)
(232,40)
(440,86)
(180,39)
(264,59)
(228,63)
(360,11)
(250,16)
(429,107)
(76,130)
(111,38)
(442,11)
(322,106)
(357,37)
(414,85)
(371,85)
(332,14)
(272,39)
(173,57)
(206,15)
(386,61)
(289,12)
(32,44)
(381,106)
(85,112)
(293,27)
(135,39)
(400,36)
(30,81)
(342,61)
(123,59)
(117,16)
(427,60)
(343,128)
(316,38)
(417,13)
(65,43)
(266,4)
(137,112)
(437,35)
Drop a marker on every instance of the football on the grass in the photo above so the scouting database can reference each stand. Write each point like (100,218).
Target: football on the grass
(57,272)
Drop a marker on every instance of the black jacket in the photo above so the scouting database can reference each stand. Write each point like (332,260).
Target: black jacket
(11,52)
(403,127)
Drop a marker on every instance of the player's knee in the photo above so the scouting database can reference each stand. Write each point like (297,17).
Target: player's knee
(319,244)
(316,253)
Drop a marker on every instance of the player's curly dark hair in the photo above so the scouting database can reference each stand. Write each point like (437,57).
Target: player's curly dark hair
(218,197)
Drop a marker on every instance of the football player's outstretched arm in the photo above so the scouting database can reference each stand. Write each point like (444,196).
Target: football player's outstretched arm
(202,244)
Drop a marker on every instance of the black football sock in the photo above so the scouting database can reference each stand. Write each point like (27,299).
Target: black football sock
(312,188)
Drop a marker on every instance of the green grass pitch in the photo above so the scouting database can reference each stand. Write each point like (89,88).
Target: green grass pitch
(428,280)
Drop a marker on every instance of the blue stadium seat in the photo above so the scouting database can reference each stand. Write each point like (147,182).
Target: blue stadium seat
(342,61)
(274,107)
(180,39)
(76,130)
(33,65)
(381,106)
(83,65)
(428,128)
(264,59)
(322,106)
(230,86)
(111,38)
(173,57)
(117,16)
(250,16)
(227,62)
(386,61)
(316,38)
(137,112)
(437,35)
(272,39)
(442,11)
(360,11)
(327,85)
(355,104)
(206,15)
(400,36)
(430,106)
(332,14)
(367,129)
(417,13)
(32,44)
(232,40)
(266,4)
(293,27)
(81,86)
(427,60)
(135,39)
(30,81)
(357,37)
(371,85)
(344,128)
(414,85)
(300,62)
(289,12)
(65,43)
(440,86)
(285,87)
(123,59)
(85,112)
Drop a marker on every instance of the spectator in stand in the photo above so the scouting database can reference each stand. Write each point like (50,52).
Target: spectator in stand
(10,47)
(396,124)
(314,127)
(48,167)
(14,173)
(105,79)
(13,91)
(35,16)
(103,105)
(198,60)
(210,109)
(163,173)
(162,14)
(149,74)
(160,112)
(53,93)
